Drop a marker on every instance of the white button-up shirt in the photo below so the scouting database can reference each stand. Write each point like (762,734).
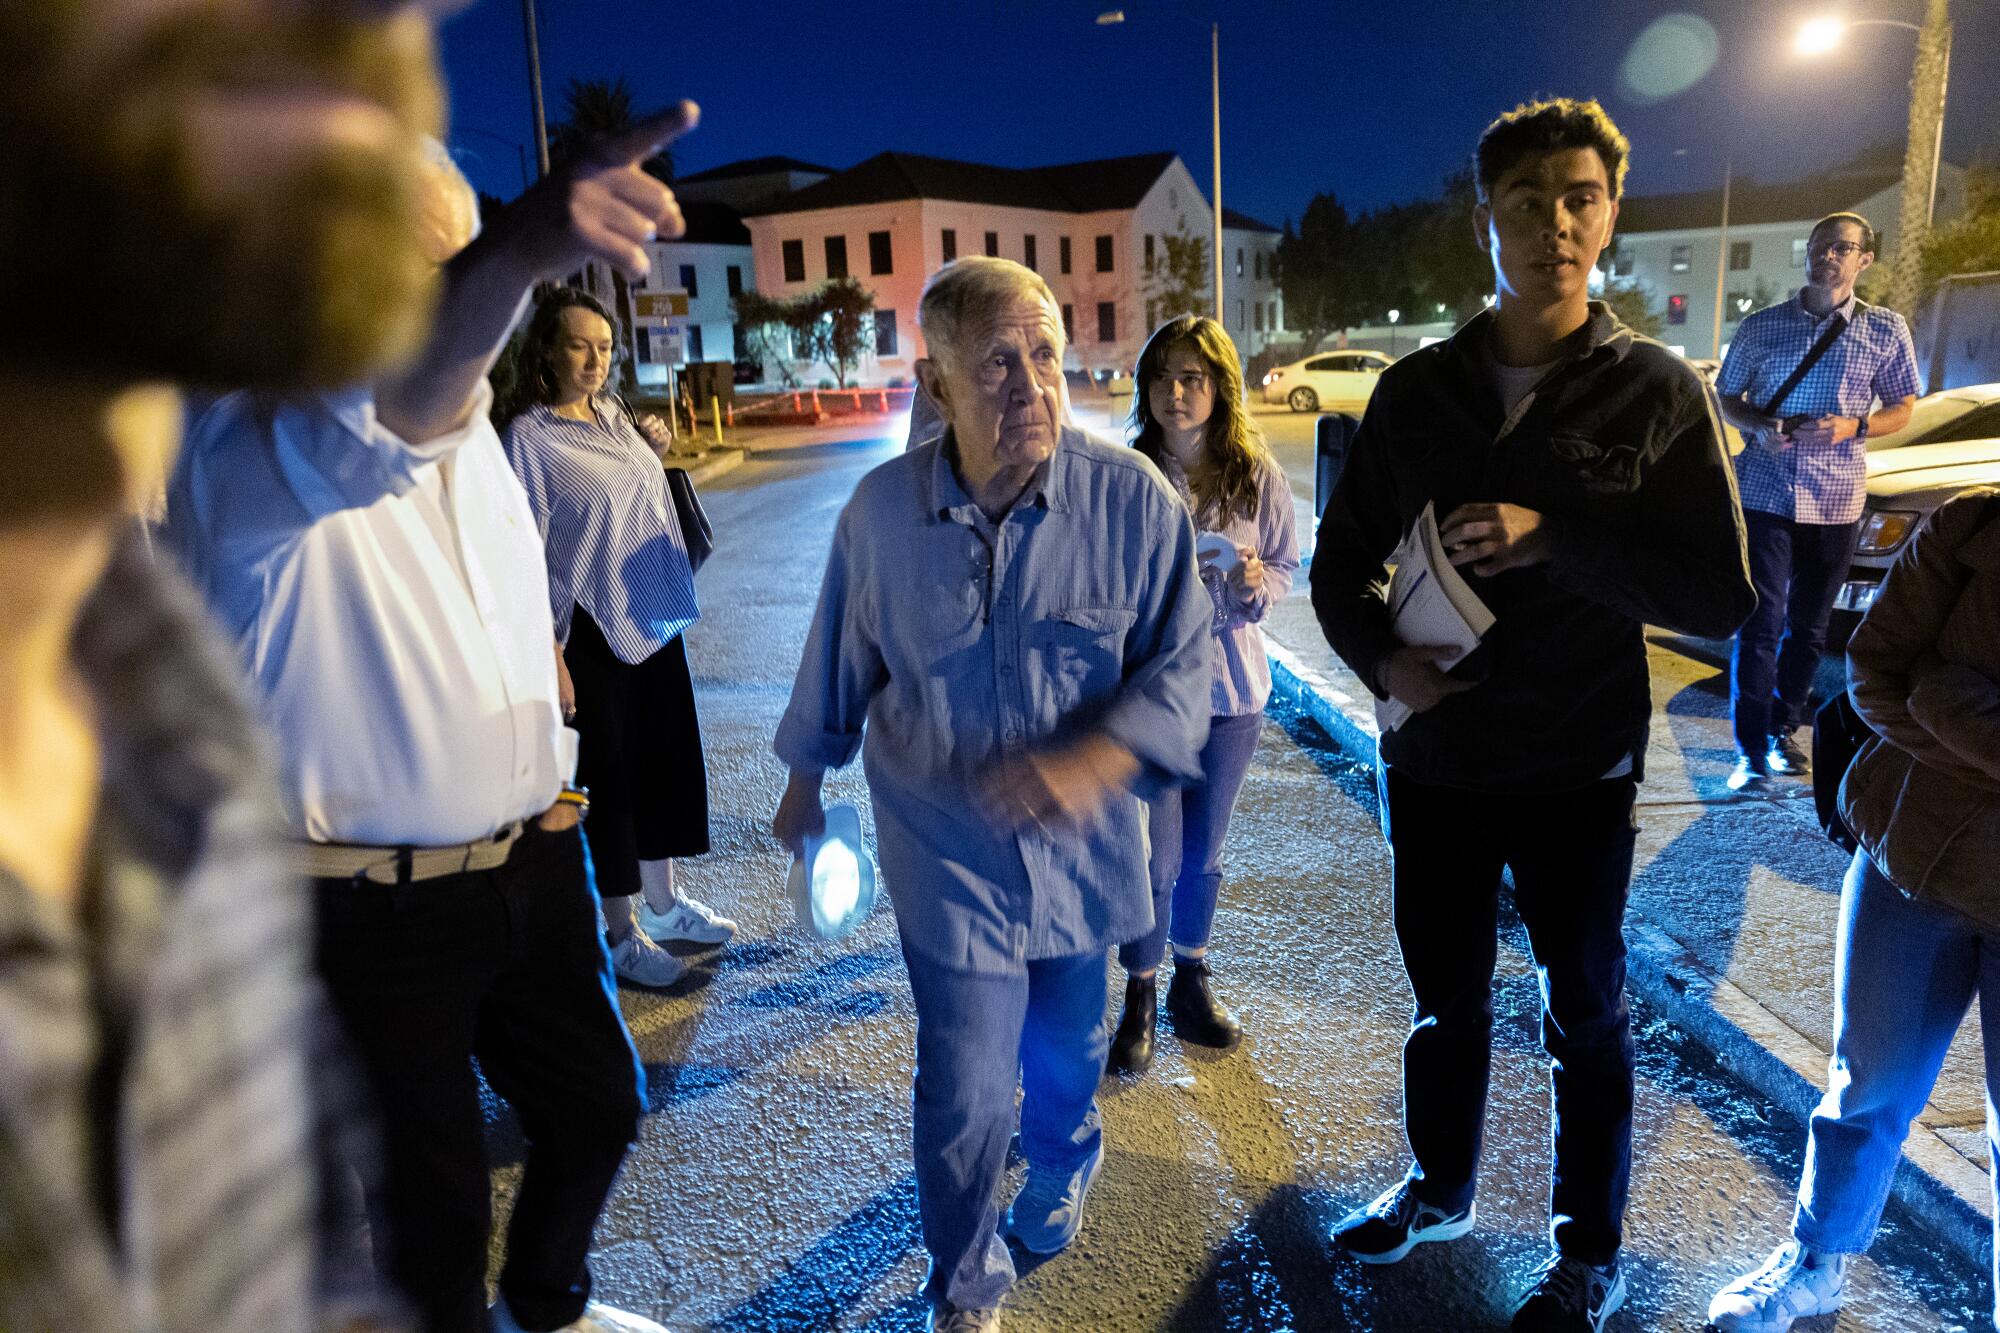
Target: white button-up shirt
(390,602)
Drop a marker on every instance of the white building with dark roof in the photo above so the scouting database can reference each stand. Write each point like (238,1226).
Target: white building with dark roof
(1670,244)
(1096,230)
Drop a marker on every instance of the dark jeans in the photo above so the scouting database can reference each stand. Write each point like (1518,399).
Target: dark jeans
(1187,827)
(505,964)
(1571,857)
(1797,569)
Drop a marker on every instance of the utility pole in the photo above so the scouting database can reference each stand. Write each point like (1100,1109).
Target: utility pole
(535,86)
(1721,260)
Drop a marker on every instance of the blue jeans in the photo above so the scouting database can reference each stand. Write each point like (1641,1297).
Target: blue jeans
(1797,569)
(978,1036)
(1186,828)
(1904,974)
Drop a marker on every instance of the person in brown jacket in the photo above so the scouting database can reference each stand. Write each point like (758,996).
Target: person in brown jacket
(1920,911)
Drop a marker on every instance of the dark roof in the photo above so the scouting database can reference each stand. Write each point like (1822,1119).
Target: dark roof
(757,166)
(713,224)
(1236,221)
(1751,202)
(1071,187)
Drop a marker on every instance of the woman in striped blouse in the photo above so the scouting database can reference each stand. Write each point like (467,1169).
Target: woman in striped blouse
(623,593)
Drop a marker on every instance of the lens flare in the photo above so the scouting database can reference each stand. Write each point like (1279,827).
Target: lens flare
(1674,53)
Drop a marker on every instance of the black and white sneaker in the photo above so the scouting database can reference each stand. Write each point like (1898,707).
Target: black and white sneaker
(1788,757)
(1397,1223)
(1570,1296)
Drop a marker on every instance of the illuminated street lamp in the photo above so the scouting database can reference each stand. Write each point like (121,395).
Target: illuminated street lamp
(1112,16)
(1394,315)
(1926,135)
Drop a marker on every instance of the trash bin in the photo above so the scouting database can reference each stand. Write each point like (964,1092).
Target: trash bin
(1331,438)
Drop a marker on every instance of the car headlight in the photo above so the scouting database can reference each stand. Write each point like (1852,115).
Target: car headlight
(1884,531)
(1273,376)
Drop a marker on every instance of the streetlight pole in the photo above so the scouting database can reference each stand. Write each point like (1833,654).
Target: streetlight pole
(1215,135)
(535,86)
(1111,16)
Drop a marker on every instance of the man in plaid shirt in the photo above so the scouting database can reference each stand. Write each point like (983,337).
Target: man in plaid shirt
(1803,477)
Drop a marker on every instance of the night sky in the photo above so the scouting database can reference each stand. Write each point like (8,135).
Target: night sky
(1374,102)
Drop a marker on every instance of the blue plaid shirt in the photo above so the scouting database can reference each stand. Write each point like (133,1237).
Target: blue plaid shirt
(1873,359)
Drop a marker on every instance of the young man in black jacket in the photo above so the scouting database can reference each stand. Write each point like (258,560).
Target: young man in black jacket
(1583,489)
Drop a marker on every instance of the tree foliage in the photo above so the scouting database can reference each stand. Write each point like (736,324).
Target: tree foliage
(1338,271)
(831,324)
(765,323)
(838,325)
(1179,280)
(1970,243)
(1629,301)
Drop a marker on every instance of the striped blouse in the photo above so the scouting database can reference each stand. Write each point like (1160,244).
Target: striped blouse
(614,542)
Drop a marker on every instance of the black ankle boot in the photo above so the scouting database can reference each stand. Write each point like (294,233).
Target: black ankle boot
(1132,1044)
(1191,1005)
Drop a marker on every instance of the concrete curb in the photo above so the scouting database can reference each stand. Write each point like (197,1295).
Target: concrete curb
(714,464)
(1934,1181)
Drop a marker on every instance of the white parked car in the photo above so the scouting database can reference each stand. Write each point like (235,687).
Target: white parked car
(1951,443)
(1330,380)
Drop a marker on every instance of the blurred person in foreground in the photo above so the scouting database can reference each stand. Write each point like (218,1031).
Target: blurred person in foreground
(1804,479)
(1919,932)
(621,589)
(1582,488)
(1190,419)
(194,194)
(373,559)
(1012,616)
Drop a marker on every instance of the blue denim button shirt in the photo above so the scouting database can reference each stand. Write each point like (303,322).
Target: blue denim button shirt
(958,641)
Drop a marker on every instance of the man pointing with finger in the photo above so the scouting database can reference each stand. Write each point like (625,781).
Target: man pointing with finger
(374,560)
(1585,492)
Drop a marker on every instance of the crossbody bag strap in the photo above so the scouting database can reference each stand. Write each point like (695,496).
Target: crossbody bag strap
(1835,327)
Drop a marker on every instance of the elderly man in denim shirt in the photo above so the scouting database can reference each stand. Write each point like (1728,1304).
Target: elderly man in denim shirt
(1014,612)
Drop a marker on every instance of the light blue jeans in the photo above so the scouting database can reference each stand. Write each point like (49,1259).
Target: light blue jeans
(977,1037)
(1904,975)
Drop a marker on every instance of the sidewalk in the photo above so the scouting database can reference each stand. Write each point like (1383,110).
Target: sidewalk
(1732,916)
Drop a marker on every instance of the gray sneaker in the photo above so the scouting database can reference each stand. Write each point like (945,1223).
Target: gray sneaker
(643,963)
(1049,1208)
(697,923)
(947,1318)
(1794,1283)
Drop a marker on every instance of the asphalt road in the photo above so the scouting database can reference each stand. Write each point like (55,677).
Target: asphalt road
(772,1188)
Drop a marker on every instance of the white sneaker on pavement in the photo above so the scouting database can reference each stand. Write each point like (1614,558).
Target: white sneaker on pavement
(697,923)
(597,1317)
(1794,1283)
(643,963)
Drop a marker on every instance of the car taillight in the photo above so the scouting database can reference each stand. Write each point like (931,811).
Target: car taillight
(1884,531)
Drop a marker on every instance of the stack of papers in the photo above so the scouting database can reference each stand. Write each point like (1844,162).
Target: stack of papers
(1430,603)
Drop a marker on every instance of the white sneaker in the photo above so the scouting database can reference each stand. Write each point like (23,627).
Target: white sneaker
(597,1317)
(643,963)
(697,923)
(1792,1284)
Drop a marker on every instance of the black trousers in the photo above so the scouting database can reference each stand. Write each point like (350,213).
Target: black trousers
(1571,856)
(641,756)
(506,965)
(1797,569)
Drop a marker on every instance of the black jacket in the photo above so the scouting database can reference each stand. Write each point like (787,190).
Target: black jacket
(1621,446)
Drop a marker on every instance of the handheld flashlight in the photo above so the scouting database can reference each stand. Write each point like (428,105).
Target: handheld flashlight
(833,884)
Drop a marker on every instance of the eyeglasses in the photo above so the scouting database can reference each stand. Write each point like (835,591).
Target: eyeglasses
(1838,249)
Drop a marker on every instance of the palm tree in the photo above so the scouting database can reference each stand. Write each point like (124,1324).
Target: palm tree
(592,109)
